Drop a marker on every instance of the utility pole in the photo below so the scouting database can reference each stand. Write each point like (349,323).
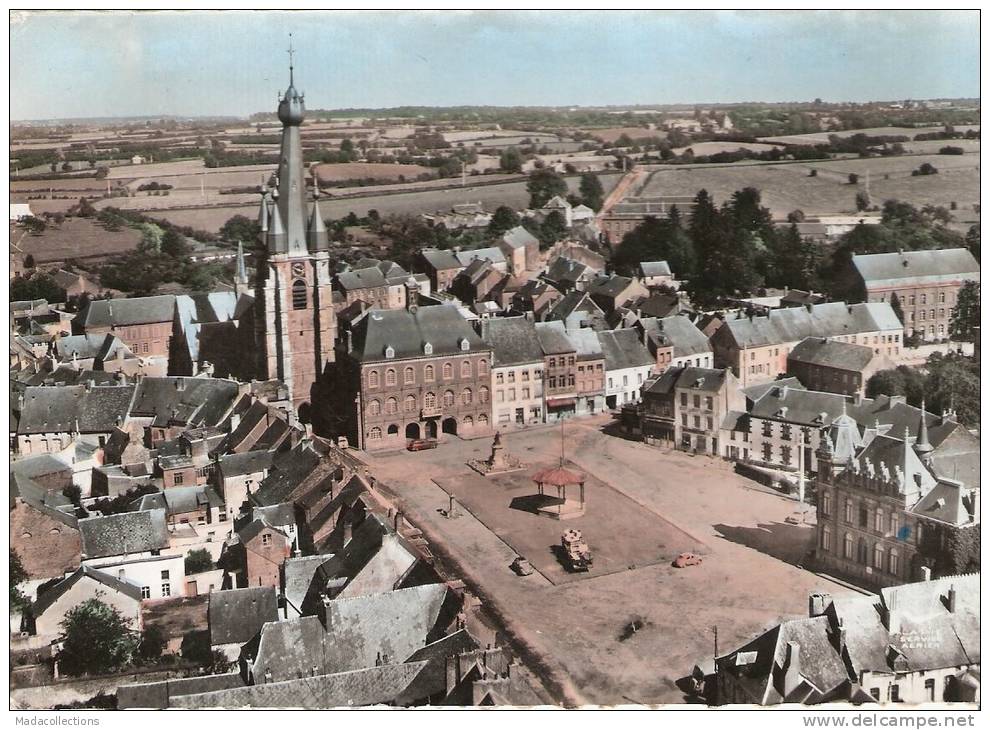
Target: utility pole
(463,173)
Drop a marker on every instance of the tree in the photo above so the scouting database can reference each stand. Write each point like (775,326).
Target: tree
(39,286)
(901,380)
(29,262)
(966,315)
(510,160)
(973,240)
(926,168)
(591,191)
(84,209)
(96,639)
(544,185)
(153,643)
(18,575)
(953,384)
(151,237)
(174,244)
(553,228)
(198,561)
(503,219)
(862,201)
(240,228)
(853,178)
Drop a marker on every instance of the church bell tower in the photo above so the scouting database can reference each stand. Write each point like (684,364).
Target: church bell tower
(295,322)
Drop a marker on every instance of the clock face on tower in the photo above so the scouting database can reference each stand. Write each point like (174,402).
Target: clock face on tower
(298,268)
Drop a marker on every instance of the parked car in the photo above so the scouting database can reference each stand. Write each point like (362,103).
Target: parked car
(521,566)
(421,444)
(685,559)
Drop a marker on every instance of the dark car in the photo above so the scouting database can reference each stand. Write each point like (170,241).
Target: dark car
(421,444)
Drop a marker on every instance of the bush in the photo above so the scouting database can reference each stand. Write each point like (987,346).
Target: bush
(198,561)
(949,150)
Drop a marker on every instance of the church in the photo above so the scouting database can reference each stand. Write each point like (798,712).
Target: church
(295,324)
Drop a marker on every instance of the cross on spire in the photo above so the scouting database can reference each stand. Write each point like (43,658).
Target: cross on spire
(291,53)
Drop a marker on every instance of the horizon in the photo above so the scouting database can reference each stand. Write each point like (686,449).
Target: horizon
(529,59)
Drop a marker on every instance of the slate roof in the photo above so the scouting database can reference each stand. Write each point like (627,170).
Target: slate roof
(57,409)
(793,324)
(917,267)
(50,502)
(289,469)
(441,260)
(82,346)
(39,465)
(122,312)
(553,338)
(705,380)
(180,500)
(247,462)
(585,342)
(512,339)
(565,270)
(654,268)
(297,577)
(622,350)
(610,287)
(492,253)
(236,616)
(802,406)
(48,597)
(192,401)
(519,237)
(574,301)
(359,632)
(944,504)
(362,279)
(407,332)
(358,688)
(123,533)
(162,695)
(831,354)
(678,331)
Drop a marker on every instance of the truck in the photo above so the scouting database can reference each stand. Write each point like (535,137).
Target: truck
(577,554)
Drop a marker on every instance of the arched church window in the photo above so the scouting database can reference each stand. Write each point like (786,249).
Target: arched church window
(299,298)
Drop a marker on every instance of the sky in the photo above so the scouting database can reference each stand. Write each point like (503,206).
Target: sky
(201,63)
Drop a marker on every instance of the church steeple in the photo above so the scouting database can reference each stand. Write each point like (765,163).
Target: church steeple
(317,234)
(922,447)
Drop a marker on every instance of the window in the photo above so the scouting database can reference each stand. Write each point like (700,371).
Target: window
(145,591)
(930,683)
(511,394)
(266,539)
(299,294)
(500,396)
(895,690)
(392,405)
(847,547)
(164,575)
(862,553)
(911,299)
(785,454)
(375,434)
(826,538)
(684,419)
(483,420)
(511,376)
(222,516)
(878,556)
(448,371)
(390,376)
(697,421)
(921,315)
(466,369)
(864,516)
(878,520)
(177,478)
(499,378)
(826,504)
(482,367)
(767,453)
(894,526)
(467,396)
(374,408)
(708,400)
(430,400)
(428,373)
(144,347)
(409,404)
(448,398)
(525,376)
(373,379)
(570,380)
(409,376)
(875,693)
(525,394)
(483,394)
(166,590)
(924,299)
(684,399)
(785,432)
(767,429)
(697,401)
(553,362)
(894,562)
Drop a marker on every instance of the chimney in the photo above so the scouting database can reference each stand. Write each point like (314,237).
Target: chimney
(398,520)
(235,421)
(792,670)
(348,531)
(950,599)
(818,603)
(350,341)
(926,573)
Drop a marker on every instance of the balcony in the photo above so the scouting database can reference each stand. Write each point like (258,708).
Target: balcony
(431,412)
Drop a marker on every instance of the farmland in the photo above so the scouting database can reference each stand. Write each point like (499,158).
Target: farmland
(787,187)
(611,134)
(339,172)
(712,148)
(81,239)
(822,137)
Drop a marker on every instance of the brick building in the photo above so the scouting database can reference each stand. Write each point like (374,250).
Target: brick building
(925,284)
(517,370)
(559,370)
(144,324)
(835,367)
(411,373)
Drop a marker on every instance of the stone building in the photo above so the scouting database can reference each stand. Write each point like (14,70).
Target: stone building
(835,367)
(144,324)
(756,348)
(559,370)
(517,370)
(888,511)
(685,407)
(294,318)
(925,284)
(411,373)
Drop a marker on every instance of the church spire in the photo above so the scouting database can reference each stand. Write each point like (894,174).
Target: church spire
(290,190)
(240,270)
(317,233)
(922,447)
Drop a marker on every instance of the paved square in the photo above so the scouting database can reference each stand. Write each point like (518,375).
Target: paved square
(622,534)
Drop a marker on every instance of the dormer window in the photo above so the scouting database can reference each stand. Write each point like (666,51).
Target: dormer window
(389,352)
(465,345)
(427,348)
